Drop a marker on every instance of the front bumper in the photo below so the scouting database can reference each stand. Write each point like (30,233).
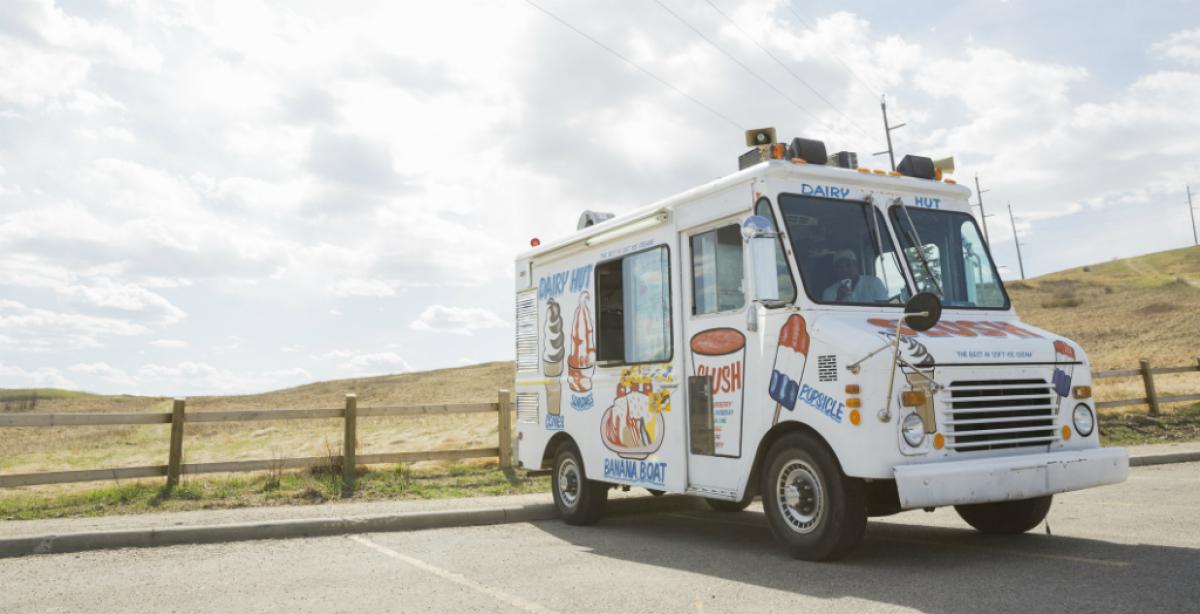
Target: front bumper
(986,480)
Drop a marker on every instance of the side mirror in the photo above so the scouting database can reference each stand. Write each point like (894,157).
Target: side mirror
(760,236)
(922,311)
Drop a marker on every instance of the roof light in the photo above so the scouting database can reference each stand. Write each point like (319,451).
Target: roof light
(916,166)
(808,150)
(534,242)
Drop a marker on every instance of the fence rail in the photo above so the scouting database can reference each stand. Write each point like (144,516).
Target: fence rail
(178,417)
(1147,373)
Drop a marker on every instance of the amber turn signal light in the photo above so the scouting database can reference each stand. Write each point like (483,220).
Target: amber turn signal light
(852,388)
(939,441)
(1082,392)
(912,398)
(854,402)
(855,417)
(1066,431)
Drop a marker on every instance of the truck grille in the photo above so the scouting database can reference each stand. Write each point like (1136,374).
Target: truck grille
(998,414)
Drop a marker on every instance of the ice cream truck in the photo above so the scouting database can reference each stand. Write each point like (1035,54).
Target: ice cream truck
(833,339)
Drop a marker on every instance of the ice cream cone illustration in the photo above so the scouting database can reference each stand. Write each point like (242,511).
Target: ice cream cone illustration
(552,356)
(581,362)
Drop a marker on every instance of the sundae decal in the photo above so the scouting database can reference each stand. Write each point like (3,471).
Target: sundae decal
(552,357)
(1063,353)
(640,472)
(790,358)
(719,353)
(960,328)
(634,425)
(581,362)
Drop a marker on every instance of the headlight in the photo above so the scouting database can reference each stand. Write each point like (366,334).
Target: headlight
(913,429)
(1084,420)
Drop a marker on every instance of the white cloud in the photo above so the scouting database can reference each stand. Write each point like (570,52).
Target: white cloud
(31,328)
(125,296)
(363,287)
(106,373)
(457,320)
(378,363)
(169,344)
(1183,46)
(41,377)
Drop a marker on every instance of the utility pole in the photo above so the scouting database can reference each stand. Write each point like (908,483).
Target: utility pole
(982,215)
(1016,240)
(1192,215)
(887,131)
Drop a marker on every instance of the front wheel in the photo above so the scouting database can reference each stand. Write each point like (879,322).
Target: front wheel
(580,501)
(818,512)
(1006,517)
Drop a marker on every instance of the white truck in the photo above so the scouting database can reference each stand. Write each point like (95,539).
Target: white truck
(833,339)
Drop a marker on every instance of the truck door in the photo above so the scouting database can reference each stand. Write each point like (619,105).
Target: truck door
(715,296)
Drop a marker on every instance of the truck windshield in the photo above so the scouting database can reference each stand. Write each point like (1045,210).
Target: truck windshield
(953,261)
(844,251)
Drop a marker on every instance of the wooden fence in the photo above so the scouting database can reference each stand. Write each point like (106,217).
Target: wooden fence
(1152,398)
(178,417)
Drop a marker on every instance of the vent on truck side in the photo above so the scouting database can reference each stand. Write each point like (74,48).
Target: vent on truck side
(827,368)
(527,332)
(999,414)
(527,407)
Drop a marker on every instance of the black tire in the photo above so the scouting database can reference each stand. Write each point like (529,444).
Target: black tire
(722,505)
(1006,517)
(828,513)
(580,501)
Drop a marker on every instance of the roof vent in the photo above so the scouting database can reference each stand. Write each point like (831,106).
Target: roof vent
(591,218)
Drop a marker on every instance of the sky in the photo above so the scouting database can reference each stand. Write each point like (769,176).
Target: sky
(227,197)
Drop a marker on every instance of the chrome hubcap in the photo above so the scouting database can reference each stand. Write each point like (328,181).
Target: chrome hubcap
(568,482)
(800,498)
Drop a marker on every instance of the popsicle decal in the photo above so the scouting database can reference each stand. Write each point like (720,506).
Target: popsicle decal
(1064,355)
(790,358)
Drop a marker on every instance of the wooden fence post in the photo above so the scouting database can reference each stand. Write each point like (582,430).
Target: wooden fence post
(1148,381)
(504,429)
(175,456)
(348,443)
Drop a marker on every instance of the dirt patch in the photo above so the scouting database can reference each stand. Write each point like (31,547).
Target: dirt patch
(1130,429)
(1155,308)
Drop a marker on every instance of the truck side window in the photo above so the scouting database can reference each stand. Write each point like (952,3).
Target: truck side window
(718,273)
(633,303)
(787,287)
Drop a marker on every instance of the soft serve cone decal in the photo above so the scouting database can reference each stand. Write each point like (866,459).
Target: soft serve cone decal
(581,362)
(552,356)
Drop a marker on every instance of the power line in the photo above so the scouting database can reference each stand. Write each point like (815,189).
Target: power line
(788,69)
(735,60)
(803,22)
(636,65)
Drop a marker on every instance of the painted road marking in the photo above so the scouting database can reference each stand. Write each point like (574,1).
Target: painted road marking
(459,579)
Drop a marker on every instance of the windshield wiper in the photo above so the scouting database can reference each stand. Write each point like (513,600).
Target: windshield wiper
(920,247)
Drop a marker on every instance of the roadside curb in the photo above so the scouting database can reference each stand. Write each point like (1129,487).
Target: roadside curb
(313,527)
(1163,459)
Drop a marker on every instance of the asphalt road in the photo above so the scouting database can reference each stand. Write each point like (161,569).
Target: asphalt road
(1133,547)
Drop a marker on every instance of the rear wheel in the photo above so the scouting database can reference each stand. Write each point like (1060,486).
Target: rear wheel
(1006,517)
(580,501)
(818,512)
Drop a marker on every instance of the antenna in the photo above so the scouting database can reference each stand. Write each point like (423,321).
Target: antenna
(1017,240)
(982,215)
(887,130)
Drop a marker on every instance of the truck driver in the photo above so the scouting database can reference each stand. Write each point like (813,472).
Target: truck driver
(851,287)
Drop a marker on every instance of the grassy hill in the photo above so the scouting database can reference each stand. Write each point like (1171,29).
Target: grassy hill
(1119,311)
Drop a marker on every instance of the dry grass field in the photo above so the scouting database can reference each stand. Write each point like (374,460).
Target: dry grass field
(1118,311)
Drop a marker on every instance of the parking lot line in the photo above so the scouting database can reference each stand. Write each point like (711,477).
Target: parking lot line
(456,578)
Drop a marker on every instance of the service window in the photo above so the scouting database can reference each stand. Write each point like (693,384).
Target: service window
(633,302)
(718,276)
